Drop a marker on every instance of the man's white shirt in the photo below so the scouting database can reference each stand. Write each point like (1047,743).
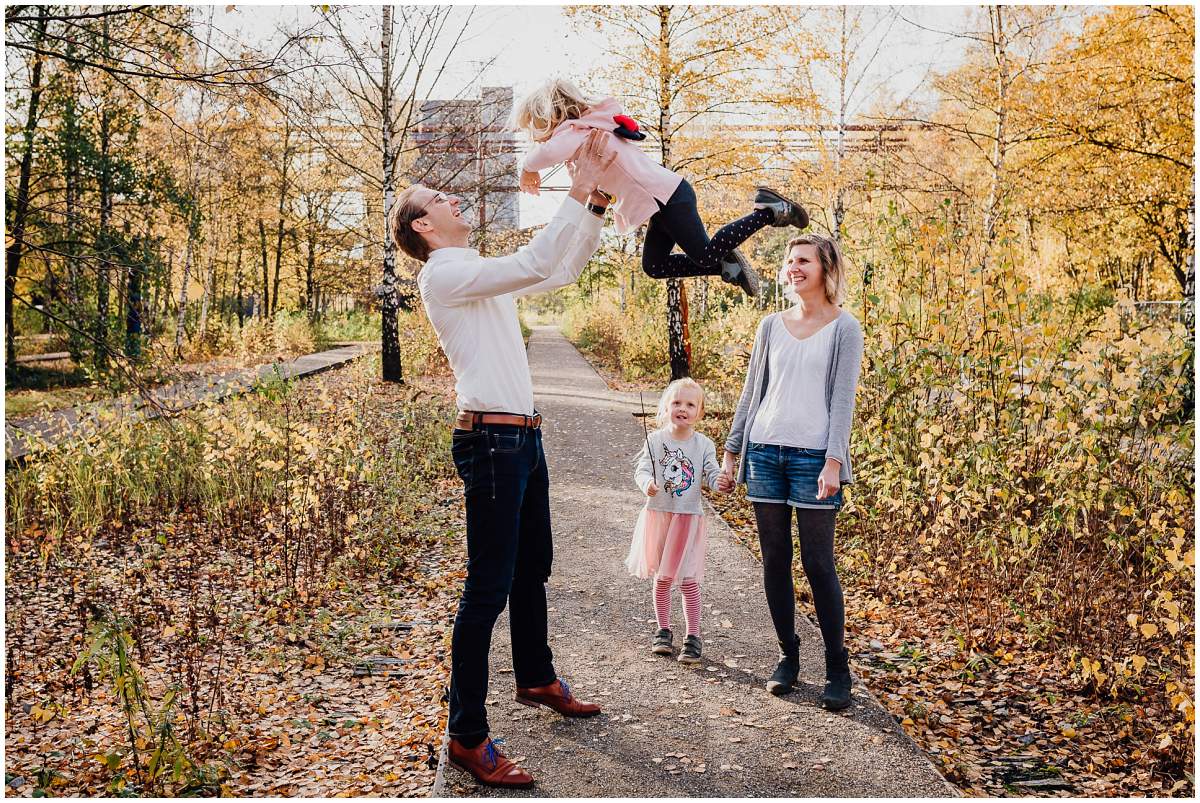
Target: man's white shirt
(471,301)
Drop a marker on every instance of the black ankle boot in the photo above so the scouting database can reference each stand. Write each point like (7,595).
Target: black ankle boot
(783,680)
(837,680)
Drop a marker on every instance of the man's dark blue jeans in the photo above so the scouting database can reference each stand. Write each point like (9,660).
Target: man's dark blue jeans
(509,552)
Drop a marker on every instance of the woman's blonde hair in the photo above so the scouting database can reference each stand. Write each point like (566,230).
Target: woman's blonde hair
(672,390)
(832,265)
(543,109)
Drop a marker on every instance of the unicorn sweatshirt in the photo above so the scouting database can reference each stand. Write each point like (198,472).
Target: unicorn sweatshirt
(677,468)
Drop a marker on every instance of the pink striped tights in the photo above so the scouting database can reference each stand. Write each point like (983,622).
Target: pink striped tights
(690,590)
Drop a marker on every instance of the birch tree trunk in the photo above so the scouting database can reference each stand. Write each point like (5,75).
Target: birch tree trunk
(390,336)
(678,345)
(839,200)
(1000,145)
(279,220)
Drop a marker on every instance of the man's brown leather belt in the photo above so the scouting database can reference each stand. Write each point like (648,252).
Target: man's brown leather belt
(469,420)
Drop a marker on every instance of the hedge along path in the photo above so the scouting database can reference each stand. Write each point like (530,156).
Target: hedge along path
(668,730)
(34,433)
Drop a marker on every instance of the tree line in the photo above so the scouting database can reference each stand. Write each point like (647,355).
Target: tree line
(164,178)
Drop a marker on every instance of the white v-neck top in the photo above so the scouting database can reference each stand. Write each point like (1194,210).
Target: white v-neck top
(794,411)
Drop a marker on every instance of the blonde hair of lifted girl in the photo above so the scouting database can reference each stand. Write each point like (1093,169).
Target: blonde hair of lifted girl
(544,109)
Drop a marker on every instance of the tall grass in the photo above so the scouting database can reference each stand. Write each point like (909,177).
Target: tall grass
(225,518)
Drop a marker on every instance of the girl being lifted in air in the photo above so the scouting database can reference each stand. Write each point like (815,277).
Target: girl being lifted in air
(558,117)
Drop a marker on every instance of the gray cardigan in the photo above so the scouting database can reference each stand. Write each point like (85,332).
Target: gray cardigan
(845,363)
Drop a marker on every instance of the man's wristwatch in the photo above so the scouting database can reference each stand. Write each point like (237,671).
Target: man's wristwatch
(597,209)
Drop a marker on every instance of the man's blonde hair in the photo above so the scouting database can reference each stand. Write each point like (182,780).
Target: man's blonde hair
(832,264)
(672,390)
(543,109)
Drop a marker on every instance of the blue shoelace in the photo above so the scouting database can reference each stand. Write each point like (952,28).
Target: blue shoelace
(490,751)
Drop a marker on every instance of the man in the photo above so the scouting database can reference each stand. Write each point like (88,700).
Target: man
(497,442)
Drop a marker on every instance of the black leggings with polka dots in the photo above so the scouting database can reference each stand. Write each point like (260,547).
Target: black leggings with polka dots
(677,221)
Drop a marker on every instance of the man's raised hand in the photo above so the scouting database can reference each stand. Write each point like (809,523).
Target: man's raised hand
(590,161)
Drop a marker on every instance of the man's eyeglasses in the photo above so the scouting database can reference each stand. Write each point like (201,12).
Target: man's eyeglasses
(441,196)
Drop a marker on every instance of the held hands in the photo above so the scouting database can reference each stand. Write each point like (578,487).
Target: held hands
(652,489)
(725,481)
(531,182)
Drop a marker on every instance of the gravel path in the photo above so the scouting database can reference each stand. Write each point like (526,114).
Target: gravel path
(668,730)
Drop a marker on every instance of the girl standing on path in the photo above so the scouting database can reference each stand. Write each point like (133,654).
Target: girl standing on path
(558,117)
(791,432)
(670,537)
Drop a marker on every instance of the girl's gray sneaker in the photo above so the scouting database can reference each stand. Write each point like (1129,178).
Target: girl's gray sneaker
(787,212)
(736,269)
(664,642)
(690,654)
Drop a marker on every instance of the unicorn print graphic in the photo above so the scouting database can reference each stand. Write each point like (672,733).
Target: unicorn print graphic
(678,471)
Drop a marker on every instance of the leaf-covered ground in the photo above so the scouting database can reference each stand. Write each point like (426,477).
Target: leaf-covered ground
(332,689)
(275,694)
(1014,722)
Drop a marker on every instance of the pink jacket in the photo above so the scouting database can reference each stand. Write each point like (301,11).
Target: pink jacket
(634,179)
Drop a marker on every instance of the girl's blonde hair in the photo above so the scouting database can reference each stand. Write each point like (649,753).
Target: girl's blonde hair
(672,390)
(543,109)
(832,266)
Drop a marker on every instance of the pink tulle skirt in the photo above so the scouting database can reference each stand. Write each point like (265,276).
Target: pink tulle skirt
(668,546)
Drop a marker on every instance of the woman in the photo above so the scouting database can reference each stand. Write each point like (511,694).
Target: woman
(791,432)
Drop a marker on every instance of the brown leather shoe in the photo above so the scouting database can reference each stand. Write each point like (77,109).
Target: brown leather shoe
(557,696)
(488,765)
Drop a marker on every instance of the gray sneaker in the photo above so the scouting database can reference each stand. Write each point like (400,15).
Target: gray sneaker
(690,654)
(663,642)
(787,212)
(736,269)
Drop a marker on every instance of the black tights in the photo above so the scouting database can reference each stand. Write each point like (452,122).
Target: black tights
(679,222)
(815,530)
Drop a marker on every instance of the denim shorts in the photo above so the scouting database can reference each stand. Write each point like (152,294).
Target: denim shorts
(786,474)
